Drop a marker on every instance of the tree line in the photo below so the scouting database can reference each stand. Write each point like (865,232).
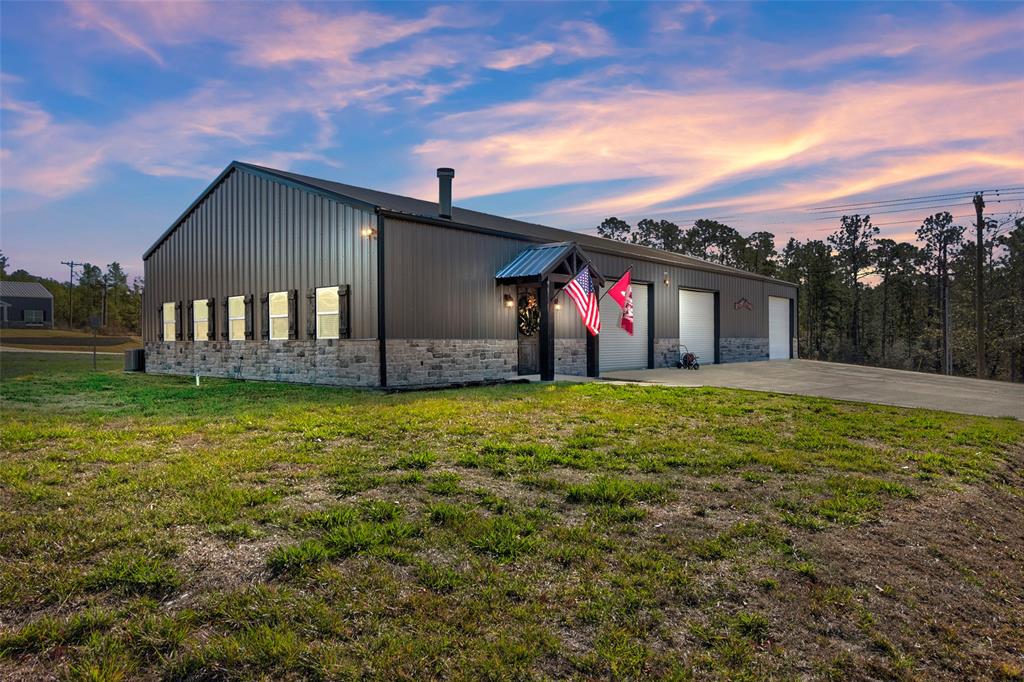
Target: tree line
(106,295)
(870,300)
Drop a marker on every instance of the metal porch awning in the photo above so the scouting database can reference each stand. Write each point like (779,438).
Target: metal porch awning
(556,262)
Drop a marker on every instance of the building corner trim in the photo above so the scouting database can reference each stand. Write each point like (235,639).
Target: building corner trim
(382,336)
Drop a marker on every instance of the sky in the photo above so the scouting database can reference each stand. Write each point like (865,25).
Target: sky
(116,116)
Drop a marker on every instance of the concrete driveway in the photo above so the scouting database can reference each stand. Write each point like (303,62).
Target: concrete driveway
(848,382)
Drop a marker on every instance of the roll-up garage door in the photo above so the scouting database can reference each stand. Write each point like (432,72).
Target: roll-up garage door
(697,324)
(778,328)
(619,350)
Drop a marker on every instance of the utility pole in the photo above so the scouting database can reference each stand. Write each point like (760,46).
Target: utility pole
(979,287)
(71,288)
(947,327)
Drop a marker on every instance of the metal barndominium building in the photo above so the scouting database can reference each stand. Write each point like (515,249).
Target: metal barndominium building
(278,276)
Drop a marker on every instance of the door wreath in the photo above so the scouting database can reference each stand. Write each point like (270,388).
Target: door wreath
(529,314)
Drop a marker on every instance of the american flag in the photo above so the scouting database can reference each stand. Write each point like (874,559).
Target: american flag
(581,291)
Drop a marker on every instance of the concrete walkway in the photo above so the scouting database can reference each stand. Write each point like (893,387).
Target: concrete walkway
(848,382)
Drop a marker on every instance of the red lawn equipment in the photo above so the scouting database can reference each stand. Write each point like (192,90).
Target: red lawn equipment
(687,360)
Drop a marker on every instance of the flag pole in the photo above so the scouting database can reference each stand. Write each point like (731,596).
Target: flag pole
(601,297)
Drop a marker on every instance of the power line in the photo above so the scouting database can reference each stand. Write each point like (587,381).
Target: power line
(925,197)
(903,210)
(918,208)
(902,202)
(904,222)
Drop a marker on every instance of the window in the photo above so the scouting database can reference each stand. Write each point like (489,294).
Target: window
(327,313)
(200,320)
(169,328)
(278,304)
(34,316)
(236,318)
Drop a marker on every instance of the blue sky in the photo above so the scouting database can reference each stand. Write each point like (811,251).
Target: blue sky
(115,116)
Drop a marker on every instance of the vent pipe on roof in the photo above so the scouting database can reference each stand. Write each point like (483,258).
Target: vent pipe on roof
(444,197)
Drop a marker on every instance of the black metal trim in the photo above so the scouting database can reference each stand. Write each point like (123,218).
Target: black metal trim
(382,332)
(650,323)
(718,328)
(792,324)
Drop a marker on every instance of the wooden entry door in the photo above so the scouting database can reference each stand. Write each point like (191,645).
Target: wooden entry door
(528,330)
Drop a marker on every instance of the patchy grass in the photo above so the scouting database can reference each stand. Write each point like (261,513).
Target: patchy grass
(153,529)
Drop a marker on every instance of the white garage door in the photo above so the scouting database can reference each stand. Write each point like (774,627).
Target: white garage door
(619,350)
(778,328)
(697,324)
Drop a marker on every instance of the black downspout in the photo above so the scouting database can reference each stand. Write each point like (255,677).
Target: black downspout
(650,325)
(382,339)
(718,327)
(794,305)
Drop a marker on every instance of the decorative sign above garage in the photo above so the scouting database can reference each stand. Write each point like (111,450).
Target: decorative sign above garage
(743,304)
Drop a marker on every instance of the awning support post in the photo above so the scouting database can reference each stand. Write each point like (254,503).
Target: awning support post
(593,356)
(547,331)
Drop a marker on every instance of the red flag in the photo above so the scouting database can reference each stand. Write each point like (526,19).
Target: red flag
(622,292)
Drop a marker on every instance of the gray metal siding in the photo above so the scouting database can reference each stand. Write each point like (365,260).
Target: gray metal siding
(440,284)
(251,236)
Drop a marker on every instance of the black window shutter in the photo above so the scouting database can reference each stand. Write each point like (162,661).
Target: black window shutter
(160,316)
(265,316)
(177,321)
(211,318)
(343,301)
(226,324)
(191,321)
(293,314)
(310,313)
(248,316)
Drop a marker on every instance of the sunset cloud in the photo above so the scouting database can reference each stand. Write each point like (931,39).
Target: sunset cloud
(558,113)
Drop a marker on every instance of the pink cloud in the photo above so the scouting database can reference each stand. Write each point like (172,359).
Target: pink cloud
(850,139)
(89,15)
(299,34)
(514,57)
(574,40)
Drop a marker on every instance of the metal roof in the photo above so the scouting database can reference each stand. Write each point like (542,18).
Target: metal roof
(419,209)
(23,290)
(535,261)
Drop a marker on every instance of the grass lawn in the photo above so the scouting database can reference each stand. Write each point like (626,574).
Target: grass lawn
(153,529)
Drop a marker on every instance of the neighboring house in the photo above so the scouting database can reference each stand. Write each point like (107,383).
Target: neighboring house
(25,304)
(279,276)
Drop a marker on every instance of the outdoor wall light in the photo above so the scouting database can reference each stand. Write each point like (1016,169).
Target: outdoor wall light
(558,304)
(368,232)
(665,278)
(509,301)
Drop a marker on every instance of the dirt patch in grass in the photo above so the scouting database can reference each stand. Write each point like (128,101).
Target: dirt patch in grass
(943,579)
(214,564)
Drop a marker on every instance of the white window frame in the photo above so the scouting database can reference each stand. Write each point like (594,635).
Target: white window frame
(33,320)
(173,323)
(281,295)
(336,313)
(197,305)
(231,319)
